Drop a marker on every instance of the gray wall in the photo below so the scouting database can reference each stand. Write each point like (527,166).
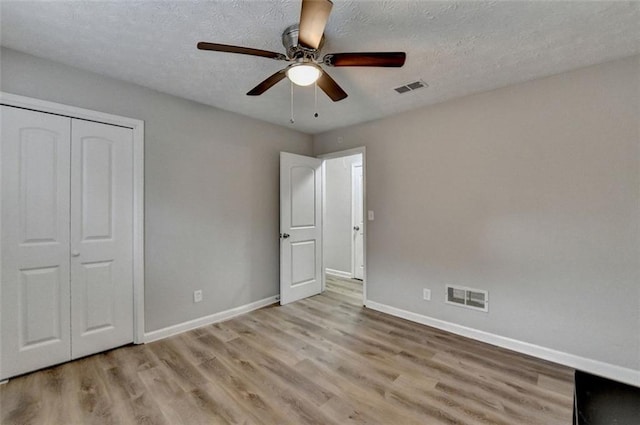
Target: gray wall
(531,192)
(338,227)
(211,188)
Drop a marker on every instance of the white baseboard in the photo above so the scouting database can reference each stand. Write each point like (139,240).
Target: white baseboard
(338,273)
(208,320)
(606,370)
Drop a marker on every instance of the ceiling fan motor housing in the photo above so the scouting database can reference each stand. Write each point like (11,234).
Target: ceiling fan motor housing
(294,50)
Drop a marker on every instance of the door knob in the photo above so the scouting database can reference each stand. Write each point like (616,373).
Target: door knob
(284,235)
(356,228)
(75,253)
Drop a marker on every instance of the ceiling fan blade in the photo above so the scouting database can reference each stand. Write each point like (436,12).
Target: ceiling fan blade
(313,19)
(331,88)
(386,59)
(242,50)
(267,84)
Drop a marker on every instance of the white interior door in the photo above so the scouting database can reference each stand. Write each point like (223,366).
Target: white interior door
(34,290)
(300,227)
(358,221)
(101,237)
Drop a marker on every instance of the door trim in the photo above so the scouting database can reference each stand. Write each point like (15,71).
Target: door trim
(137,126)
(339,154)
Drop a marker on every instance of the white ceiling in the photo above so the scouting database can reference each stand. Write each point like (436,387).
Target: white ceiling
(458,48)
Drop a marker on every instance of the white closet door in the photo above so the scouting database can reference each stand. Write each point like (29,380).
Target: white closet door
(101,237)
(35,240)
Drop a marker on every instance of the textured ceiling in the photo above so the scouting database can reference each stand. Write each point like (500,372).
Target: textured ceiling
(458,48)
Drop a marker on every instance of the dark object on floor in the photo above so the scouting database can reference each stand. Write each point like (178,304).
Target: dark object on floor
(600,401)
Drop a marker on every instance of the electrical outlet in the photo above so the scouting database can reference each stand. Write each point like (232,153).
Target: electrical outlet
(197,296)
(426,294)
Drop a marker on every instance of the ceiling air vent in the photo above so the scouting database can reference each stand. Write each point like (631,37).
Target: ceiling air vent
(411,86)
(466,297)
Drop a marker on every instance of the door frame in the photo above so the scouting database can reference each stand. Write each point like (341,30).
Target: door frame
(340,154)
(137,126)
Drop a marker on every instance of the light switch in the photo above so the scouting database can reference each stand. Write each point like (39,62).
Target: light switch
(370,215)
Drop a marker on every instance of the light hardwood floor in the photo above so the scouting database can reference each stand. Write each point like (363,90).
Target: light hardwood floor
(324,360)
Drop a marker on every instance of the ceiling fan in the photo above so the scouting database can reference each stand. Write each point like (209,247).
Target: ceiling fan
(303,43)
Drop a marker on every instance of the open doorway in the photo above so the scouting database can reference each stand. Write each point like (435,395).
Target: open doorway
(344,256)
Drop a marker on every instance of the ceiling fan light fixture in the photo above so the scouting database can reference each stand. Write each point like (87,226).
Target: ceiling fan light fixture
(303,74)
(303,42)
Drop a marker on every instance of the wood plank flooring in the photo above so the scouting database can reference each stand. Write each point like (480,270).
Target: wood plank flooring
(323,360)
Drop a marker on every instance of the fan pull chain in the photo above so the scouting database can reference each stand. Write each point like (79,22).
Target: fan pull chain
(315,99)
(292,121)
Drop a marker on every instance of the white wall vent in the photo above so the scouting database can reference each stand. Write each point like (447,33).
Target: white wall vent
(468,297)
(411,86)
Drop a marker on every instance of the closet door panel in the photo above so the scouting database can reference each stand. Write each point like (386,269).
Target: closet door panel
(101,237)
(34,293)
